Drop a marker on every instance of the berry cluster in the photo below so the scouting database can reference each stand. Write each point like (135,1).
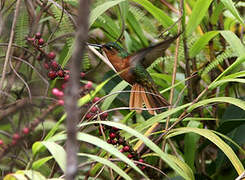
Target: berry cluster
(54,69)
(94,110)
(16,137)
(59,94)
(114,138)
(113,134)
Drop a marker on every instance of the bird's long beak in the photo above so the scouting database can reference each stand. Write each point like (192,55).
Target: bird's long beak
(95,45)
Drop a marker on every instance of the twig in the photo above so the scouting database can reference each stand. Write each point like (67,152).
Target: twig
(170,6)
(8,54)
(175,65)
(173,77)
(72,92)
(14,107)
(6,149)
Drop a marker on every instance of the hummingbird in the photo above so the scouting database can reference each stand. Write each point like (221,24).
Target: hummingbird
(132,68)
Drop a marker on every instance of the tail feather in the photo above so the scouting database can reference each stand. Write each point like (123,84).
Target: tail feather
(149,96)
(158,100)
(132,95)
(138,98)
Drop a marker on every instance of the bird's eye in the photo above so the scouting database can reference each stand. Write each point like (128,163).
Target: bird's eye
(108,47)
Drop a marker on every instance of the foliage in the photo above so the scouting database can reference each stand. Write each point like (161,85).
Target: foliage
(204,138)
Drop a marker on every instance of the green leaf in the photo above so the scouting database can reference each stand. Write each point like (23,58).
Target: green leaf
(236,102)
(14,176)
(119,87)
(234,42)
(229,4)
(38,163)
(136,28)
(32,174)
(223,81)
(191,140)
(124,6)
(162,17)
(233,142)
(239,61)
(148,143)
(216,14)
(214,139)
(202,42)
(107,163)
(147,124)
(198,13)
(57,152)
(109,26)
(233,117)
(99,10)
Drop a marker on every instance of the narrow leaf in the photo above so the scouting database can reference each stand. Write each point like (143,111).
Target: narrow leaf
(147,142)
(236,102)
(216,140)
(99,10)
(162,17)
(229,4)
(202,42)
(107,163)
(234,42)
(57,152)
(108,147)
(198,13)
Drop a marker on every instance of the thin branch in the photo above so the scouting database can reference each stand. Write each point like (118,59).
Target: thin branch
(8,54)
(14,107)
(175,65)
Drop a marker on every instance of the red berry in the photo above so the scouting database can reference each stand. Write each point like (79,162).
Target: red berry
(94,109)
(130,156)
(38,35)
(104,115)
(1,142)
(126,148)
(67,76)
(141,160)
(112,135)
(60,73)
(63,86)
(61,102)
(52,74)
(89,85)
(55,91)
(114,128)
(143,167)
(54,64)
(46,65)
(109,141)
(89,115)
(40,41)
(113,142)
(60,94)
(16,136)
(121,150)
(96,99)
(51,55)
(82,74)
(121,141)
(39,57)
(25,130)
